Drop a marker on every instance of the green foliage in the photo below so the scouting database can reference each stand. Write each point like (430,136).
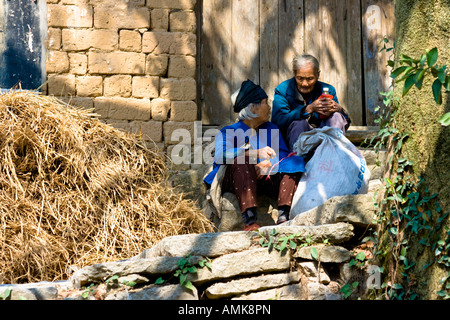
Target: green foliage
(348,288)
(6,294)
(291,242)
(406,208)
(185,267)
(415,70)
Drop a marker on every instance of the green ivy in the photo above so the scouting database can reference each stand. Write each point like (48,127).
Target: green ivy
(406,207)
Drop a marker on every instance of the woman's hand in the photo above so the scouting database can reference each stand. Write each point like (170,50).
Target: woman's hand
(266,153)
(263,168)
(323,106)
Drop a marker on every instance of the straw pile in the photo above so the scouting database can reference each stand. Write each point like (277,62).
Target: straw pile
(75,192)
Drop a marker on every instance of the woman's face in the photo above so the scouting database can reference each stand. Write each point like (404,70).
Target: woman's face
(306,78)
(263,111)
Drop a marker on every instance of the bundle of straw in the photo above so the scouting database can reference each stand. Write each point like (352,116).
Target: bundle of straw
(75,191)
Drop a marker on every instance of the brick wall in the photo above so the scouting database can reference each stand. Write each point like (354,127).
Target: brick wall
(132,61)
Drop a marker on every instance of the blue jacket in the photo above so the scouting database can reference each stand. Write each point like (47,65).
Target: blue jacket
(235,139)
(289,104)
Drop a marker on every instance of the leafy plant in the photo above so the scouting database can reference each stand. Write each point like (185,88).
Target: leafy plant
(6,294)
(348,288)
(184,269)
(405,209)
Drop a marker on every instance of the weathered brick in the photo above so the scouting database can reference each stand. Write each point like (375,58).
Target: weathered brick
(118,3)
(183,129)
(78,40)
(130,40)
(81,102)
(117,85)
(106,17)
(78,63)
(182,67)
(116,62)
(69,16)
(150,130)
(89,86)
(160,109)
(145,87)
(178,89)
(183,111)
(160,19)
(61,85)
(183,21)
(156,65)
(124,108)
(53,41)
(169,42)
(57,61)
(172,4)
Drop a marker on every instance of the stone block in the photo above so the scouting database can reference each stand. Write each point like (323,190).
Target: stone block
(256,261)
(160,109)
(149,130)
(206,245)
(289,292)
(69,16)
(183,21)
(180,132)
(117,85)
(108,17)
(57,62)
(160,19)
(172,4)
(89,86)
(183,111)
(246,285)
(83,39)
(178,89)
(182,67)
(358,210)
(80,102)
(77,63)
(145,87)
(116,62)
(130,40)
(156,65)
(53,41)
(61,85)
(334,254)
(156,292)
(169,42)
(124,108)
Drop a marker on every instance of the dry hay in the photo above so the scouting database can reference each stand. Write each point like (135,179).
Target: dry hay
(75,191)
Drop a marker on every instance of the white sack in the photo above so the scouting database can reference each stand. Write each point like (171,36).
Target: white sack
(337,168)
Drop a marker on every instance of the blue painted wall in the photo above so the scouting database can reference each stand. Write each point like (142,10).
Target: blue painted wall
(22,43)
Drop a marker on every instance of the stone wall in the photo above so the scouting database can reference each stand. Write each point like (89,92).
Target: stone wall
(132,61)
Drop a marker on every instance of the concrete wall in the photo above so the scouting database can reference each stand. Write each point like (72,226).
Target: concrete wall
(132,61)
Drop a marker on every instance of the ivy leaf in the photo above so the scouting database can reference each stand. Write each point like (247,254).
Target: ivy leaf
(398,71)
(437,91)
(445,119)
(361,256)
(189,285)
(314,253)
(409,83)
(432,56)
(160,280)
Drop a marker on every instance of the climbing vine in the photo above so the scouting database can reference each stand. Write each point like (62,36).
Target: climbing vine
(406,207)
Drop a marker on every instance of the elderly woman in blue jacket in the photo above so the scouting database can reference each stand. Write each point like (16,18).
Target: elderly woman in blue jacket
(297,106)
(255,157)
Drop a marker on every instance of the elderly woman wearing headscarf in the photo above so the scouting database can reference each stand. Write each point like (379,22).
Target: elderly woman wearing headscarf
(254,158)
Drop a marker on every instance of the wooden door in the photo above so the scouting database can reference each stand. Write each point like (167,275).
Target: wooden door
(257,40)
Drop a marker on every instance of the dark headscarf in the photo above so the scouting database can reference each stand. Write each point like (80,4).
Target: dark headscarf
(249,93)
